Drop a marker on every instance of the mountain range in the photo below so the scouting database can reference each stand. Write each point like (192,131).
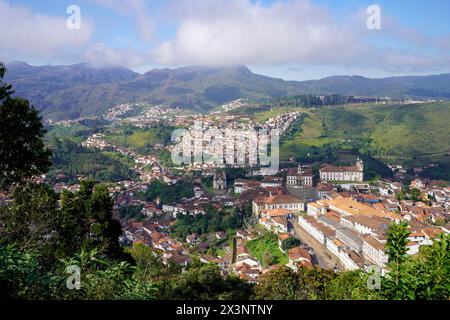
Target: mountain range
(73,91)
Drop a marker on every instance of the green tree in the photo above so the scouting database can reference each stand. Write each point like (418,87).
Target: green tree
(396,247)
(397,240)
(434,270)
(314,283)
(290,243)
(285,284)
(35,219)
(29,221)
(101,279)
(268,259)
(415,194)
(351,285)
(423,276)
(23,153)
(148,266)
(21,275)
(205,283)
(86,221)
(5,89)
(280,284)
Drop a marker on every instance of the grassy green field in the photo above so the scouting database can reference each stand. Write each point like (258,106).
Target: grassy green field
(267,243)
(393,130)
(136,140)
(389,132)
(75,132)
(309,137)
(127,161)
(262,117)
(140,140)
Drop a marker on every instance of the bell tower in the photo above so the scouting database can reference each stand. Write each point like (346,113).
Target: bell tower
(360,164)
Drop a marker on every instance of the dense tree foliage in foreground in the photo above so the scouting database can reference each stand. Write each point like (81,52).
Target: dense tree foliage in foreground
(22,153)
(24,276)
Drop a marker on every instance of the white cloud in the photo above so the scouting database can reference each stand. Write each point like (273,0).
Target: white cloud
(241,32)
(293,32)
(290,32)
(101,55)
(36,36)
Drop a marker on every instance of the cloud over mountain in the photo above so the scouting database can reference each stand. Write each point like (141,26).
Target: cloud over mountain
(28,34)
(242,32)
(303,33)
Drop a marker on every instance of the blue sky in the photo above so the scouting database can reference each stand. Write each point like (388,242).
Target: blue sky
(292,39)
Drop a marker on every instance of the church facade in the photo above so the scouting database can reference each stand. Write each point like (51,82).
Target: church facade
(220,180)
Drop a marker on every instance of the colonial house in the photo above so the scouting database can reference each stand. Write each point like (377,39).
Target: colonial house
(347,206)
(193,239)
(198,192)
(317,208)
(299,177)
(176,258)
(324,190)
(206,258)
(351,238)
(385,190)
(266,223)
(243,234)
(299,258)
(318,230)
(280,224)
(272,182)
(220,235)
(343,173)
(278,201)
(276,213)
(417,184)
(248,270)
(174,209)
(373,225)
(374,251)
(349,258)
(242,185)
(242,252)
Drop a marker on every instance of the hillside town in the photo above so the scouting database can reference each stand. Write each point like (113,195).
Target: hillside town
(304,216)
(340,225)
(334,217)
(342,229)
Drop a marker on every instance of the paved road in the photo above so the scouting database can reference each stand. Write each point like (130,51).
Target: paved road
(321,255)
